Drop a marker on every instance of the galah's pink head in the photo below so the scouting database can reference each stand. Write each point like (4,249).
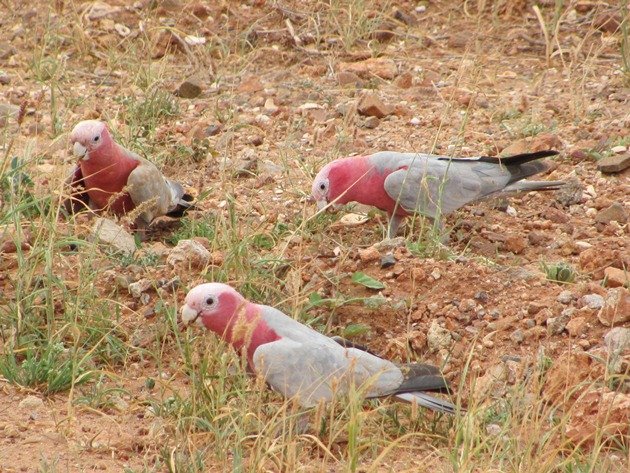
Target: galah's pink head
(332,181)
(212,305)
(89,136)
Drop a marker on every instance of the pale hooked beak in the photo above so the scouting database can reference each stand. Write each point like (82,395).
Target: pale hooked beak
(79,150)
(321,204)
(189,315)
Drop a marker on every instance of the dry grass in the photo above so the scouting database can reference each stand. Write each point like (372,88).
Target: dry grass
(69,331)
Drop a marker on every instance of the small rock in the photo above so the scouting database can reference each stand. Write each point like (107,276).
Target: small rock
(189,89)
(189,254)
(349,78)
(517,336)
(137,288)
(593,301)
(617,340)
(368,255)
(5,79)
(556,215)
(270,107)
(515,243)
(620,149)
(380,67)
(467,305)
(536,238)
(372,106)
(415,121)
(576,326)
(404,80)
(390,244)
(250,85)
(616,308)
(405,17)
(616,277)
(614,163)
(617,343)
(615,212)
(438,337)
(108,232)
(31,402)
(372,122)
(481,296)
(435,274)
(570,193)
(608,22)
(388,261)
(556,325)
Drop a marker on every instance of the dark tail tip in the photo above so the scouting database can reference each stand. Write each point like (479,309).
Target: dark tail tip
(186,203)
(517,159)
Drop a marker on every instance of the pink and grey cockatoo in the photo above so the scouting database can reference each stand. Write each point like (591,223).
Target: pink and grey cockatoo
(110,177)
(297,361)
(406,183)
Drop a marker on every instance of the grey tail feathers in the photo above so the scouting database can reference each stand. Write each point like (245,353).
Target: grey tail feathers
(526,186)
(181,200)
(430,402)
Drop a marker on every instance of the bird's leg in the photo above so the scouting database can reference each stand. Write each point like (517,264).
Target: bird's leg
(394,224)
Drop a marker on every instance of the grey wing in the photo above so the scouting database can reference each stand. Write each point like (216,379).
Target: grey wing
(149,190)
(435,187)
(314,372)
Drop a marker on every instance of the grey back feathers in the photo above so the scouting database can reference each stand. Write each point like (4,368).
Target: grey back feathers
(314,367)
(437,185)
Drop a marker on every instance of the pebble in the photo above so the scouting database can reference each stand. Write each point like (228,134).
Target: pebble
(616,277)
(367,255)
(137,288)
(556,325)
(388,260)
(379,67)
(371,105)
(517,336)
(188,254)
(616,308)
(31,402)
(435,274)
(438,337)
(593,301)
(109,232)
(415,121)
(372,122)
(565,297)
(615,212)
(189,89)
(617,340)
(613,164)
(481,296)
(576,326)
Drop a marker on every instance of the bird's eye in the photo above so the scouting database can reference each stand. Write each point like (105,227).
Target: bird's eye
(210,301)
(96,138)
(322,186)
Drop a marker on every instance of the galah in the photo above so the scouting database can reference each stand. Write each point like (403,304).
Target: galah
(299,362)
(110,177)
(406,183)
